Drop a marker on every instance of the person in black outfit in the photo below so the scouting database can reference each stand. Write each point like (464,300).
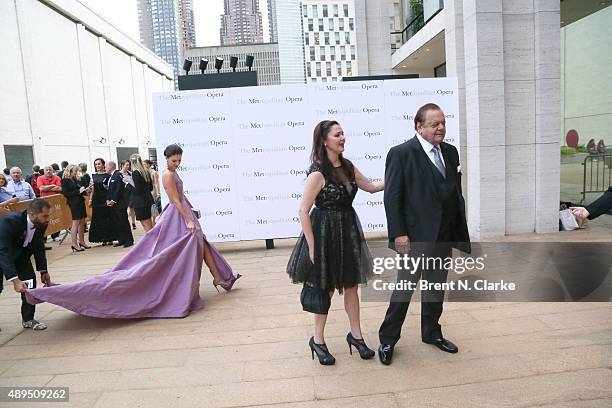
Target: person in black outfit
(600,206)
(332,253)
(101,228)
(116,200)
(141,199)
(74,193)
(60,173)
(21,236)
(425,213)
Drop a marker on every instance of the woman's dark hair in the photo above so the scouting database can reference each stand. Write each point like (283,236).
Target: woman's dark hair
(319,151)
(420,115)
(101,161)
(5,183)
(55,166)
(171,150)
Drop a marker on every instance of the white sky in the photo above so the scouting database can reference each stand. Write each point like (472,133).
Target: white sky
(123,14)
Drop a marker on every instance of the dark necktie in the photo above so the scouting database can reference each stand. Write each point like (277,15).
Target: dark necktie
(438,161)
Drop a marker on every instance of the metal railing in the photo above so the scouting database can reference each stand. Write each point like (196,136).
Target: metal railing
(411,29)
(597,176)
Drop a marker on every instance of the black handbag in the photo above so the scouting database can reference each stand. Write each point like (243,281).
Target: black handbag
(315,300)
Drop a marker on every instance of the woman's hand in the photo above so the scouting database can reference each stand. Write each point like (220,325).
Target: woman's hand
(190,226)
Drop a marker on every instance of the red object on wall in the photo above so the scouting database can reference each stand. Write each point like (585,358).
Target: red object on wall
(571,139)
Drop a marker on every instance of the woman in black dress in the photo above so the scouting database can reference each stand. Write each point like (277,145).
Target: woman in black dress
(141,199)
(74,193)
(101,227)
(332,254)
(126,170)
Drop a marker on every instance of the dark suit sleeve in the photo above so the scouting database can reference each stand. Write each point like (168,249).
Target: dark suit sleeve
(7,256)
(116,187)
(600,206)
(394,194)
(38,249)
(457,163)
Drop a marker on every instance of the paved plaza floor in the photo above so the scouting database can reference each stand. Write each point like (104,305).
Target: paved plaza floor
(249,347)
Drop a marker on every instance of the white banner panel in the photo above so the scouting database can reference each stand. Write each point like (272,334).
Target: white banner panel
(246,150)
(199,121)
(360,109)
(272,148)
(403,97)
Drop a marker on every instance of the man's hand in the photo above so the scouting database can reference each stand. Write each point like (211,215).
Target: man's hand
(45,278)
(580,212)
(19,286)
(402,244)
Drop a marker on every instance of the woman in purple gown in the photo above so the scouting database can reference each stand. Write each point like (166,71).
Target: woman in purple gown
(160,276)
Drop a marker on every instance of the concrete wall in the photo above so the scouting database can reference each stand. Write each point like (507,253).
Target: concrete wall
(586,77)
(69,78)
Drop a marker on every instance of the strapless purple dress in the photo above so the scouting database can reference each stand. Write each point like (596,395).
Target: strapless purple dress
(159,277)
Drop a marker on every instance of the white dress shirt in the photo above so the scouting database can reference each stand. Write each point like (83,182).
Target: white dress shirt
(29,232)
(428,149)
(31,229)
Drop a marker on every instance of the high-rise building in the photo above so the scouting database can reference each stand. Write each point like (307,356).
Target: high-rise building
(330,39)
(345,38)
(290,37)
(241,23)
(272,21)
(187,24)
(167,27)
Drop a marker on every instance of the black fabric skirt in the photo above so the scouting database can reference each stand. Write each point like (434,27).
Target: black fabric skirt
(101,227)
(143,213)
(77,208)
(341,255)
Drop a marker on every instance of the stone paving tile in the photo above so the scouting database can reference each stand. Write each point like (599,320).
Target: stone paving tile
(223,395)
(249,348)
(550,389)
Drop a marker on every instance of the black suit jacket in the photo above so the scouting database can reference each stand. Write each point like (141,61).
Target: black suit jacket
(141,194)
(600,206)
(412,202)
(116,190)
(12,234)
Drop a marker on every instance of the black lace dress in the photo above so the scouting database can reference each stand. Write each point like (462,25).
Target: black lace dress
(341,256)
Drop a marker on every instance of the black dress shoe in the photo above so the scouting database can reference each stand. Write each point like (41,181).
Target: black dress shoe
(442,344)
(118,244)
(127,245)
(48,248)
(385,353)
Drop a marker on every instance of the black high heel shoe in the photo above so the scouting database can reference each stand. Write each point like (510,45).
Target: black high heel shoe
(76,249)
(84,246)
(325,358)
(364,351)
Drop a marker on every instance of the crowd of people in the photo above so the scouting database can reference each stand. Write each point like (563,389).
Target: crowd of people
(135,191)
(160,276)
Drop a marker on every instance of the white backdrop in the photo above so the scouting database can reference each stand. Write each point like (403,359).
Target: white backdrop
(246,150)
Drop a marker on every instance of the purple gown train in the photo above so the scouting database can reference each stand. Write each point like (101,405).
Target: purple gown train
(159,277)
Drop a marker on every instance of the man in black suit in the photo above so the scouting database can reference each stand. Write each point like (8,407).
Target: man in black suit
(21,236)
(425,217)
(117,201)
